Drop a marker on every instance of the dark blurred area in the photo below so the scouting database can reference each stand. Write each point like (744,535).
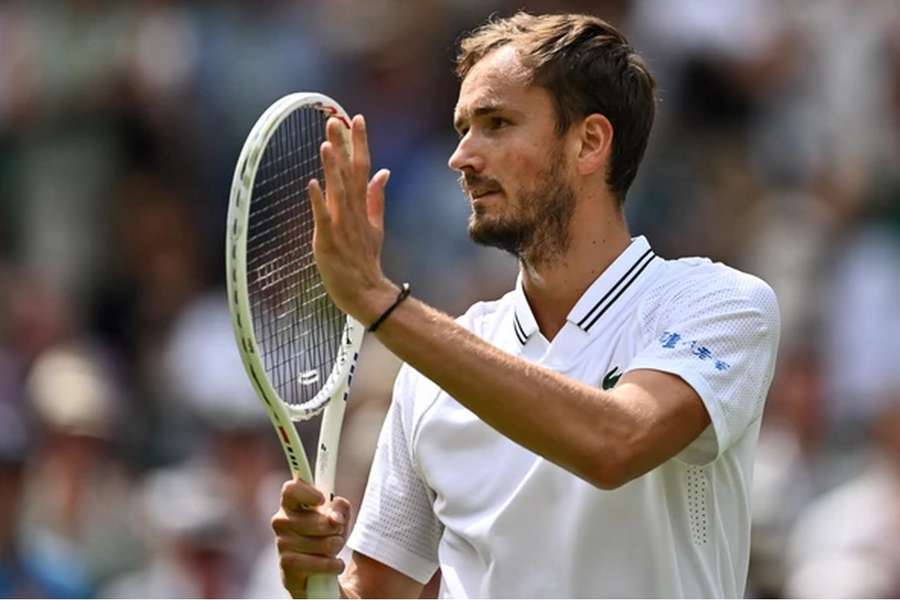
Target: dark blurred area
(134,459)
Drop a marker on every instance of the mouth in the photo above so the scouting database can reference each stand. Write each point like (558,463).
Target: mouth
(483,201)
(479,194)
(477,187)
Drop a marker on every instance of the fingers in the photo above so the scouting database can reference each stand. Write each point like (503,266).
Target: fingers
(309,523)
(321,218)
(346,166)
(309,533)
(310,564)
(346,155)
(334,178)
(348,207)
(325,546)
(375,198)
(353,144)
(335,159)
(337,135)
(340,511)
(304,512)
(359,137)
(298,495)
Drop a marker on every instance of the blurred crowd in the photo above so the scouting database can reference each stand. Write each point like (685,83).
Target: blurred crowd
(134,460)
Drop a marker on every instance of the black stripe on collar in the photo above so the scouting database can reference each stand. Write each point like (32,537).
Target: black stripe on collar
(520,331)
(602,306)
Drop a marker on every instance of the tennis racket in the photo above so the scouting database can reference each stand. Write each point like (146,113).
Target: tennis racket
(298,348)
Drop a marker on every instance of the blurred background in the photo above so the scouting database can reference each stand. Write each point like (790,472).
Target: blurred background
(134,460)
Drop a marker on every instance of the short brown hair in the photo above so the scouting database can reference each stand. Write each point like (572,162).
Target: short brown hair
(588,67)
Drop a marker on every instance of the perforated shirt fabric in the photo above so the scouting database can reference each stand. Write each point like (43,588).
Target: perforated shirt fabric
(447,491)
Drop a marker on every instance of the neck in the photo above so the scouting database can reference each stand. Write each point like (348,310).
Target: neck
(553,287)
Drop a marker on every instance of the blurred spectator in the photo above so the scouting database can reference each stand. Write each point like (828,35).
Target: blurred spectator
(788,462)
(35,316)
(28,570)
(187,511)
(861,331)
(78,492)
(845,543)
(158,268)
(66,56)
(201,383)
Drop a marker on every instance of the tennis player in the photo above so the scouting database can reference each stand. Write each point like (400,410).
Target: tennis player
(590,433)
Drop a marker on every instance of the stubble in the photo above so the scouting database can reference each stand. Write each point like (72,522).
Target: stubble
(537,228)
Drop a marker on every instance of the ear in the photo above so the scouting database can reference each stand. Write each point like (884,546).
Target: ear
(595,137)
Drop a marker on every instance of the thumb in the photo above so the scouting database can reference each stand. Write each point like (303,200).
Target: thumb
(375,198)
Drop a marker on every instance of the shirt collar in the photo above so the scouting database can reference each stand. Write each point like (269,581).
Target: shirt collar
(612,288)
(524,324)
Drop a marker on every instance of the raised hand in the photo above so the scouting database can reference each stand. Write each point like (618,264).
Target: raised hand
(349,220)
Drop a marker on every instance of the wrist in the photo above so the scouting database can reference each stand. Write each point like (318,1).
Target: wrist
(376,300)
(402,295)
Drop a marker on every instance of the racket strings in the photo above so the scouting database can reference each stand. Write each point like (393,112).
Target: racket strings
(297,326)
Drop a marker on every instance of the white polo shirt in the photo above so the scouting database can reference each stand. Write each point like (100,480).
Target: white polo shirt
(447,491)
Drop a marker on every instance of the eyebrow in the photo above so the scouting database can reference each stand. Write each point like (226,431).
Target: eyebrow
(479,111)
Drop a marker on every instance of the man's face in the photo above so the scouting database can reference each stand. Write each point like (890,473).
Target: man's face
(512,161)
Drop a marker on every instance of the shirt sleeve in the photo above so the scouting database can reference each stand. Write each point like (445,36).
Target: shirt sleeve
(721,337)
(396,524)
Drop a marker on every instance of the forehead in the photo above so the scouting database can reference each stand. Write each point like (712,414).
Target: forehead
(498,78)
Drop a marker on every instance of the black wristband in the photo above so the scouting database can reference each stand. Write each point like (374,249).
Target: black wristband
(404,293)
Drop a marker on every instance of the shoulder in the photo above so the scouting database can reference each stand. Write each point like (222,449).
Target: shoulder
(693,286)
(693,277)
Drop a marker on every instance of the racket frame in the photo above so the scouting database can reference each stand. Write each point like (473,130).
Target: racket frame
(332,398)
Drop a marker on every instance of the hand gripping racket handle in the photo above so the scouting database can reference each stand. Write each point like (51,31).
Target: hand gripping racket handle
(317,586)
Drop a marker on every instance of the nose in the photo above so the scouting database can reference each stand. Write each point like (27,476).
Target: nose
(466,156)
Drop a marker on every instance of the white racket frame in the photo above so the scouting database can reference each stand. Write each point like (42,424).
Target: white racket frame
(331,400)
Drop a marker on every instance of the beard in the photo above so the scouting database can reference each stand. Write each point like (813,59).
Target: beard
(536,228)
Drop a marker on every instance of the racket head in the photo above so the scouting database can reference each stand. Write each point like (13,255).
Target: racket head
(298,348)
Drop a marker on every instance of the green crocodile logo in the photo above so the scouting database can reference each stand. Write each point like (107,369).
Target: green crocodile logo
(611,379)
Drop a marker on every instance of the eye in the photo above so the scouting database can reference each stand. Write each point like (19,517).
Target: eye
(497,122)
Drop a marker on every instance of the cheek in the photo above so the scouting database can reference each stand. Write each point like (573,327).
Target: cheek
(521,168)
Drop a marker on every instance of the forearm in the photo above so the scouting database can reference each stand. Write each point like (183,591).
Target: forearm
(579,427)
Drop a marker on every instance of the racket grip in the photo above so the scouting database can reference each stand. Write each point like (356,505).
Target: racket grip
(322,586)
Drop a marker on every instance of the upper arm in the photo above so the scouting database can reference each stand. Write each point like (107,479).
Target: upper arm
(366,577)
(711,347)
(669,415)
(701,378)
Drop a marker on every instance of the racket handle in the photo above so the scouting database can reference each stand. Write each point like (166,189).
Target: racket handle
(322,586)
